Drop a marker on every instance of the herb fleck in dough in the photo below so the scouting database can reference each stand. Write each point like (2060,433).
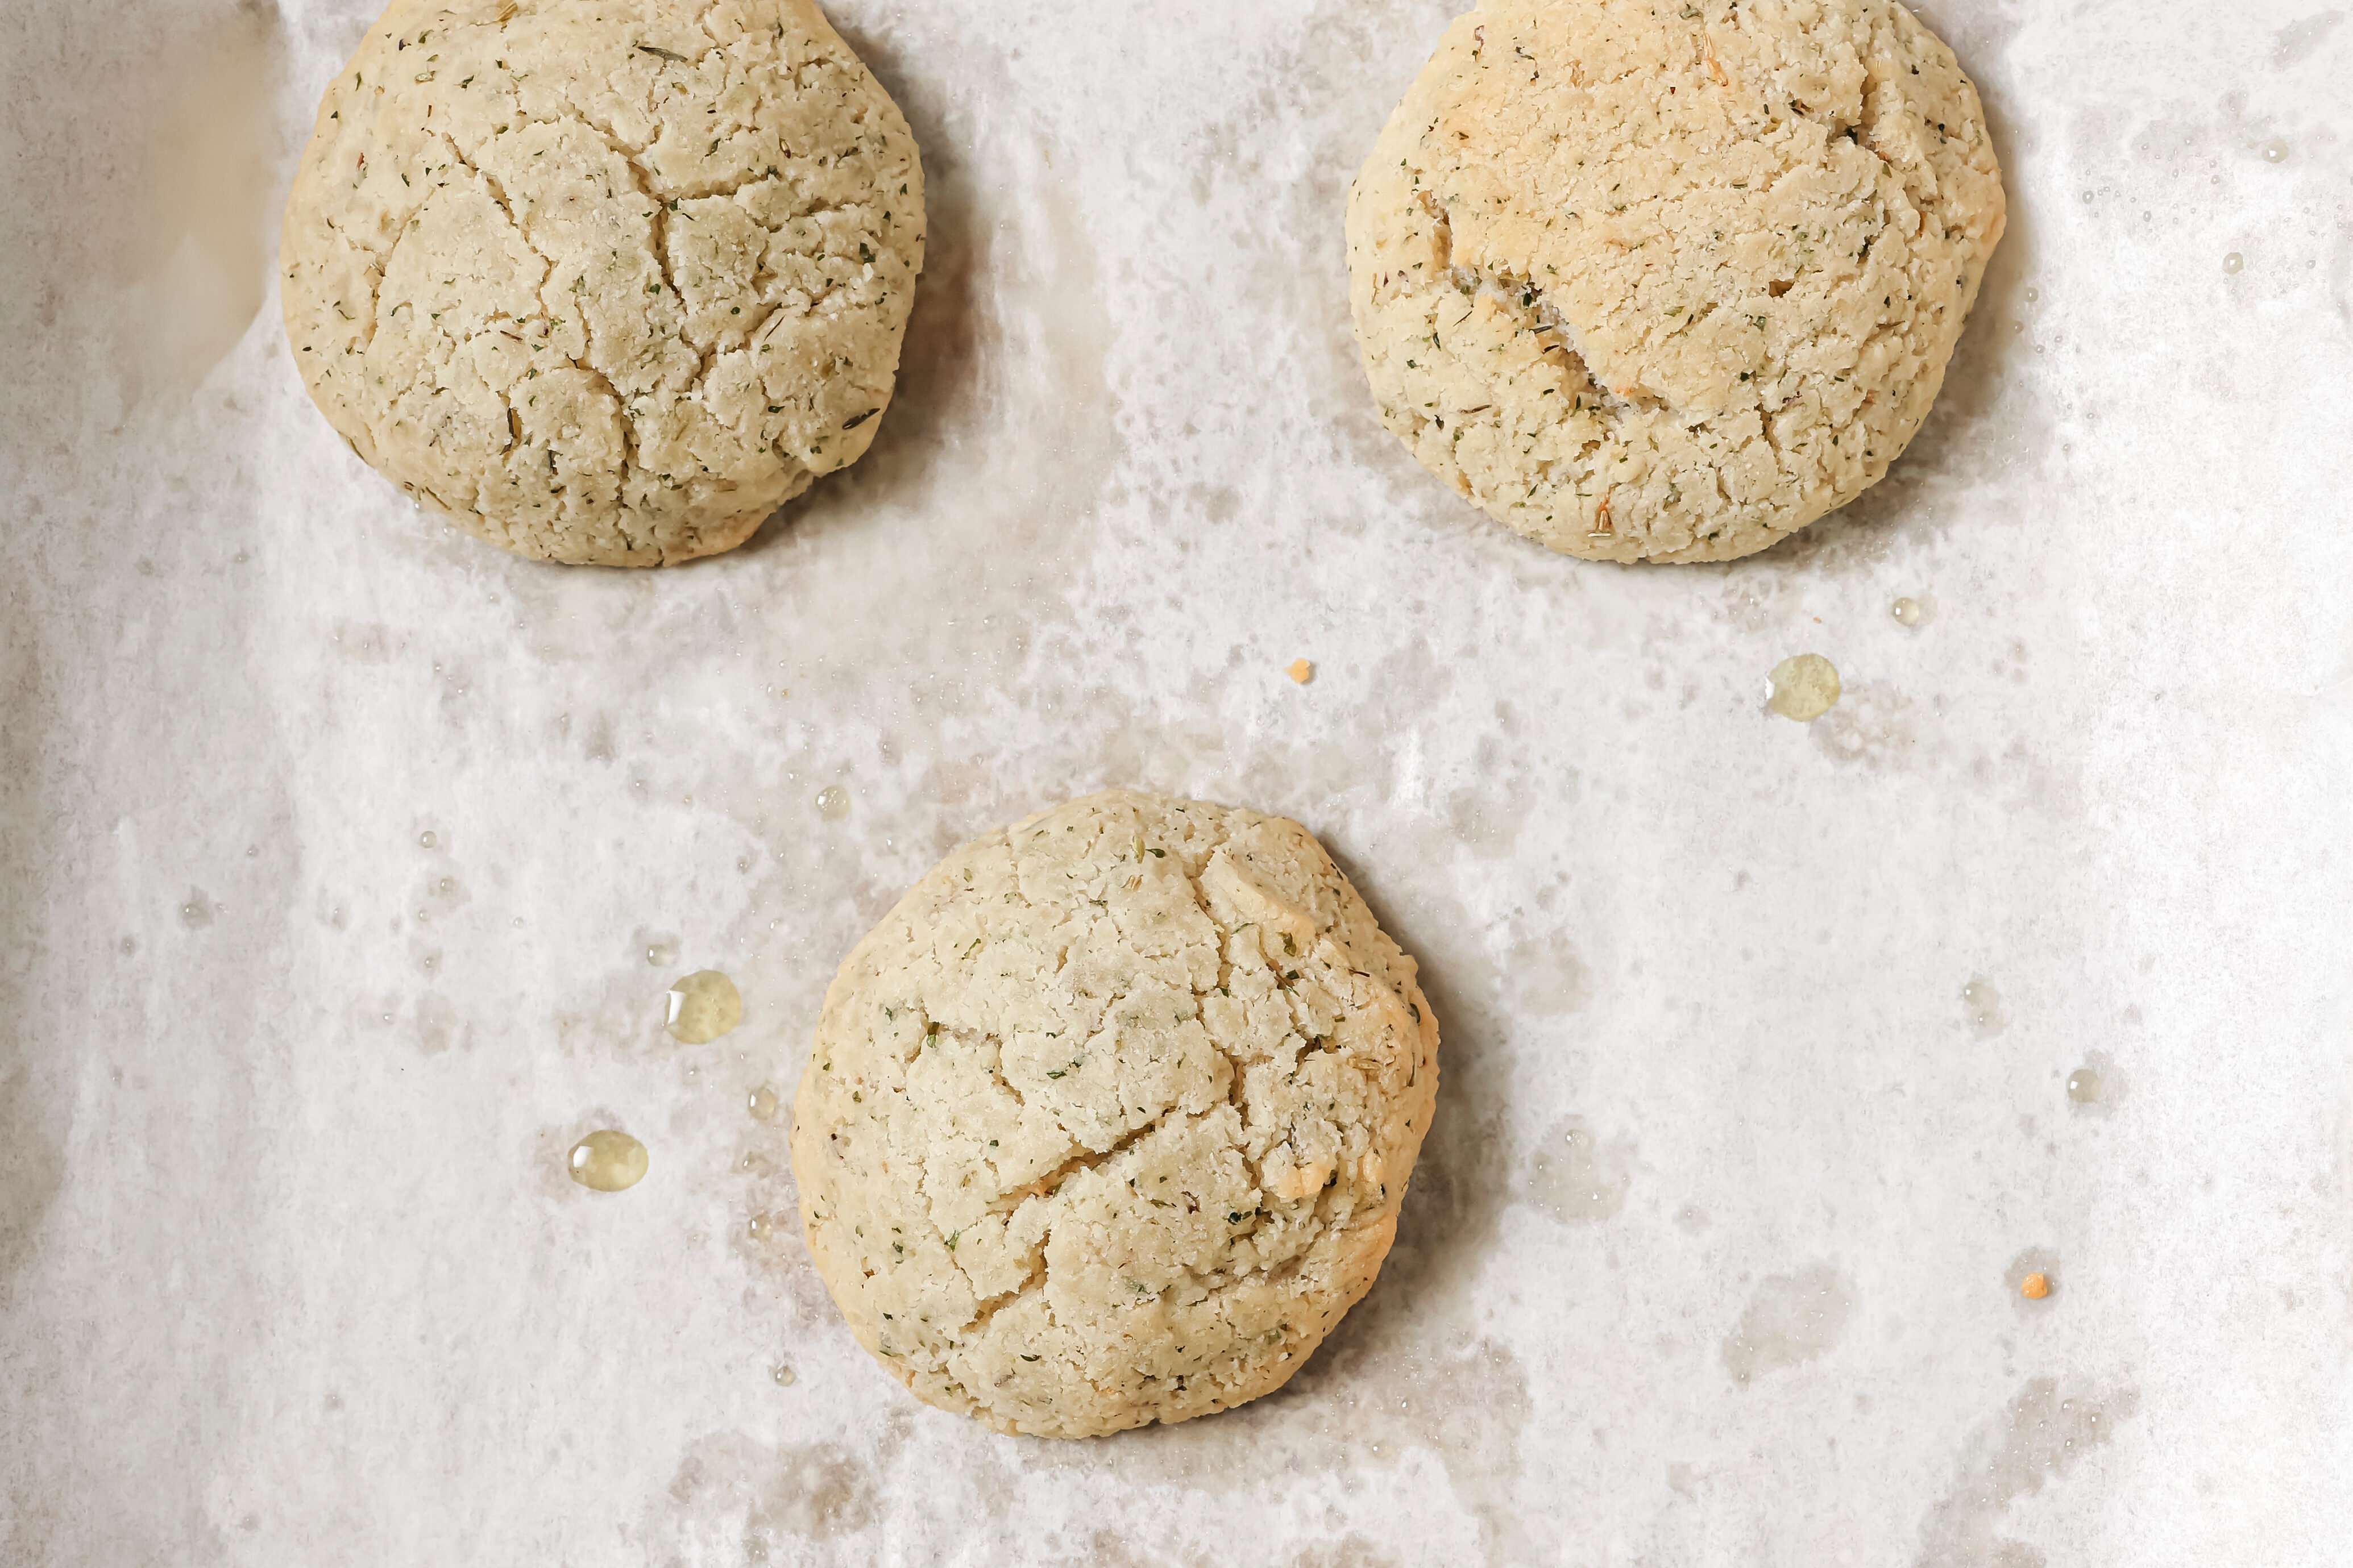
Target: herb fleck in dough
(607,282)
(1668,282)
(1108,1121)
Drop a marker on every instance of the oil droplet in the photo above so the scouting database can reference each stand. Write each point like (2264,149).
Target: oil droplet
(761,1227)
(1906,611)
(427,839)
(1301,670)
(762,1104)
(2275,151)
(2083,1086)
(1804,688)
(1986,1017)
(703,1007)
(661,954)
(783,1374)
(608,1162)
(2233,261)
(2032,295)
(833,802)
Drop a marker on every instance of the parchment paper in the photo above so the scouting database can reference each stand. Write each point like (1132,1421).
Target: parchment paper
(289,1270)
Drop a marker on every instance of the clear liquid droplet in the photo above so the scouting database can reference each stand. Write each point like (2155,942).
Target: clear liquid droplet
(428,839)
(2275,151)
(661,954)
(1906,611)
(1803,687)
(608,1161)
(703,1007)
(2083,1086)
(761,1227)
(762,1104)
(783,1374)
(833,802)
(2233,262)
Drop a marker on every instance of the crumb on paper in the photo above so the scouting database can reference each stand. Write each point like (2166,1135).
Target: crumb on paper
(1299,670)
(2035,1286)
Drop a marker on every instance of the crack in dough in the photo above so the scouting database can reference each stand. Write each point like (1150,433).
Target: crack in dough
(1108,1120)
(610,285)
(1668,284)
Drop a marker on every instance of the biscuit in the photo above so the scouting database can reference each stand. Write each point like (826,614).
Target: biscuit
(1668,282)
(606,282)
(1107,1122)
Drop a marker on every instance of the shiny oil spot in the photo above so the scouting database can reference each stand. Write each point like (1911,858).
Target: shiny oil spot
(1803,687)
(702,1006)
(608,1161)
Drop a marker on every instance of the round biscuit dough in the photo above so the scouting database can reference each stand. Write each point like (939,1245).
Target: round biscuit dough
(606,280)
(1108,1121)
(1669,282)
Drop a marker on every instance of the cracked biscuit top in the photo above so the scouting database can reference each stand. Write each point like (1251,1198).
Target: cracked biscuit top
(1650,279)
(606,281)
(1108,1121)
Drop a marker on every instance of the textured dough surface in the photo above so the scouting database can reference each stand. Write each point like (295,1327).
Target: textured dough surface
(606,280)
(1668,281)
(1108,1121)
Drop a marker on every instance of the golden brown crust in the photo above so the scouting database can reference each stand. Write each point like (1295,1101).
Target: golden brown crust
(1669,282)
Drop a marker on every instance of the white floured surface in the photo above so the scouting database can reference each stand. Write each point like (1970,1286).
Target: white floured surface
(1712,1256)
